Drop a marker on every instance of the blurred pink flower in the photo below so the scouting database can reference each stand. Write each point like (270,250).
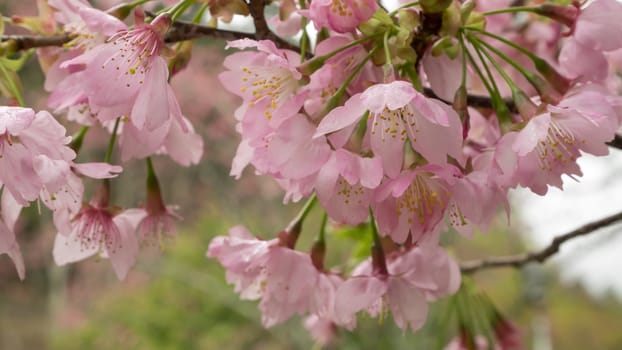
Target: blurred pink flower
(340,16)
(97,230)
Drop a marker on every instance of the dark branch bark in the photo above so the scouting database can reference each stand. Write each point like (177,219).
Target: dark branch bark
(541,255)
(25,42)
(179,31)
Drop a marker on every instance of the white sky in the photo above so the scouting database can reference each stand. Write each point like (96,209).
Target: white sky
(592,260)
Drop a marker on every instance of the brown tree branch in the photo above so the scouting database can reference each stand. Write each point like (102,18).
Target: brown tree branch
(26,42)
(179,31)
(541,255)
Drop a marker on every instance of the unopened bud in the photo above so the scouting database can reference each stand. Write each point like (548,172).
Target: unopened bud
(121,11)
(435,6)
(181,58)
(461,107)
(562,14)
(452,20)
(545,90)
(465,9)
(380,22)
(559,82)
(318,251)
(526,108)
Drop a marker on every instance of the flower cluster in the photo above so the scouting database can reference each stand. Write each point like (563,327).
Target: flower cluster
(356,126)
(116,77)
(374,120)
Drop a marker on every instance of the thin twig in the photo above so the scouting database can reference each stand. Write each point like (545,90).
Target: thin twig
(541,255)
(26,42)
(179,31)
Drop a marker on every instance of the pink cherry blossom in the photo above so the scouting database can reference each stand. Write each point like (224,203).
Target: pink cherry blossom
(344,186)
(128,76)
(263,269)
(598,25)
(375,293)
(97,230)
(551,142)
(268,82)
(428,267)
(397,112)
(290,281)
(414,203)
(244,258)
(325,81)
(340,16)
(322,330)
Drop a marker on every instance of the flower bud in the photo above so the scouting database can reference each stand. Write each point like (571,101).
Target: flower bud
(545,90)
(526,108)
(181,57)
(318,251)
(566,15)
(435,6)
(559,82)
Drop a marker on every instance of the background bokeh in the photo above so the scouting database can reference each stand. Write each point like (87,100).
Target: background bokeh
(175,298)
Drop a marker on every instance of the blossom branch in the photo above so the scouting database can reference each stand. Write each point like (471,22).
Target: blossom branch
(538,256)
(180,31)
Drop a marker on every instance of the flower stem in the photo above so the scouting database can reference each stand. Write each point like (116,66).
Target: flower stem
(334,100)
(292,231)
(379,261)
(78,139)
(14,89)
(113,138)
(514,9)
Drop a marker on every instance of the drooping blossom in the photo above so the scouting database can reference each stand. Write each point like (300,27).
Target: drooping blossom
(322,330)
(398,112)
(37,162)
(98,229)
(409,280)
(158,223)
(244,258)
(281,277)
(340,16)
(286,280)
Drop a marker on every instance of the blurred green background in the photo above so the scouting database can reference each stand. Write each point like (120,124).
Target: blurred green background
(178,299)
